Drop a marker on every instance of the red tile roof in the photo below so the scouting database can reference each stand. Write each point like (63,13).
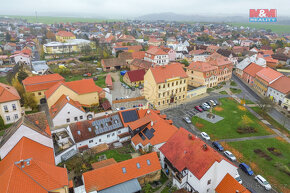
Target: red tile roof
(61,102)
(112,175)
(253,69)
(136,75)
(138,55)
(173,70)
(65,34)
(282,85)
(43,82)
(184,150)
(230,185)
(269,75)
(201,66)
(8,93)
(156,51)
(77,86)
(109,81)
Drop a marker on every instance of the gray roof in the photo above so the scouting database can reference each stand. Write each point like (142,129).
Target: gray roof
(39,65)
(130,186)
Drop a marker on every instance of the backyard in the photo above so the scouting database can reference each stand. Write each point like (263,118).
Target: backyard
(268,157)
(100,82)
(238,122)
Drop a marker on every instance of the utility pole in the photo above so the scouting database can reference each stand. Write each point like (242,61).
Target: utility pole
(35,16)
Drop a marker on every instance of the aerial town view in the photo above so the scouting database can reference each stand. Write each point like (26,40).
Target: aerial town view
(163,96)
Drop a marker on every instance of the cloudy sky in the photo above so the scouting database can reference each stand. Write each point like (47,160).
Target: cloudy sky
(133,8)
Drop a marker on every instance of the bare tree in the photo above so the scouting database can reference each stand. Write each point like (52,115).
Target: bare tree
(265,104)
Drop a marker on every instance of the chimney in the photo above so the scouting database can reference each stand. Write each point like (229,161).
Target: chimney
(190,136)
(152,123)
(204,147)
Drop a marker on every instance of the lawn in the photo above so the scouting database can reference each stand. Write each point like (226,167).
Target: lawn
(2,132)
(100,82)
(120,154)
(272,121)
(223,92)
(233,83)
(249,102)
(235,90)
(273,165)
(274,27)
(235,116)
(3,79)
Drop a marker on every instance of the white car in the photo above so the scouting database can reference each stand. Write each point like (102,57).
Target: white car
(238,178)
(205,136)
(229,155)
(263,182)
(117,109)
(206,105)
(187,119)
(212,102)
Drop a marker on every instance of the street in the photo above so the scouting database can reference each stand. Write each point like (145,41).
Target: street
(176,115)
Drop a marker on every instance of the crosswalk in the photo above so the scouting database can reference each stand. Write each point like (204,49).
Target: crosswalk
(190,113)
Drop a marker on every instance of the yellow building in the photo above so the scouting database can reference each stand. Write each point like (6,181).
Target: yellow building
(63,36)
(85,91)
(134,77)
(165,85)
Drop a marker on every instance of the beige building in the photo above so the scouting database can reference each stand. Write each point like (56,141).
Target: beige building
(165,85)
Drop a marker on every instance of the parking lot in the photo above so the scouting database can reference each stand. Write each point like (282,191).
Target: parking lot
(178,113)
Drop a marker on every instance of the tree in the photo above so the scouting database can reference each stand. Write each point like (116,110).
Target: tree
(19,87)
(21,76)
(2,125)
(265,104)
(86,49)
(30,101)
(185,62)
(8,37)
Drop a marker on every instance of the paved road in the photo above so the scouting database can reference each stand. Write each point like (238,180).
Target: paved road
(248,138)
(176,114)
(250,94)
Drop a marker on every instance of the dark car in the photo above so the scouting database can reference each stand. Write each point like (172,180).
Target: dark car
(209,104)
(203,107)
(122,108)
(216,101)
(217,146)
(246,169)
(198,108)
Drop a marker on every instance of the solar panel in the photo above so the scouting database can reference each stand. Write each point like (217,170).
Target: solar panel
(129,116)
(142,136)
(152,130)
(148,133)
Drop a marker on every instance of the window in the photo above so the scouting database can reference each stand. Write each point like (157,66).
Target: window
(119,131)
(68,112)
(5,108)
(124,170)
(8,118)
(16,116)
(108,136)
(138,165)
(113,134)
(13,107)
(67,120)
(91,141)
(148,162)
(81,117)
(39,93)
(100,140)
(208,182)
(76,118)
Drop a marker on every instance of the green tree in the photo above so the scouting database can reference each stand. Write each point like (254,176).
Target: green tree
(19,87)
(21,76)
(185,62)
(2,125)
(30,101)
(7,37)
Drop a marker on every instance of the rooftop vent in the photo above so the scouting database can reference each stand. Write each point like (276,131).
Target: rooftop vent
(67,97)
(79,132)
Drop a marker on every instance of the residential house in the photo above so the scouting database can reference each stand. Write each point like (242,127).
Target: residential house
(230,185)
(194,165)
(112,64)
(202,74)
(39,84)
(20,59)
(157,56)
(165,85)
(63,36)
(138,64)
(39,67)
(151,130)
(10,47)
(10,109)
(125,176)
(27,156)
(66,111)
(247,61)
(109,82)
(70,46)
(171,53)
(212,48)
(278,90)
(131,49)
(155,42)
(134,78)
(264,78)
(249,73)
(90,133)
(87,95)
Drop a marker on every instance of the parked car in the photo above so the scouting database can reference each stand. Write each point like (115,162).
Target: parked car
(212,102)
(122,108)
(263,182)
(229,155)
(135,106)
(246,169)
(126,97)
(238,178)
(117,109)
(117,99)
(140,105)
(205,106)
(198,108)
(216,101)
(217,146)
(209,104)
(187,119)
(205,136)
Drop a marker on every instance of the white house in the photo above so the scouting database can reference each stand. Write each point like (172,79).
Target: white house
(157,56)
(10,109)
(106,129)
(247,61)
(279,89)
(20,58)
(32,126)
(193,164)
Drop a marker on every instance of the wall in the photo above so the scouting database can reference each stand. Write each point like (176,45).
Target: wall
(196,92)
(58,159)
(11,113)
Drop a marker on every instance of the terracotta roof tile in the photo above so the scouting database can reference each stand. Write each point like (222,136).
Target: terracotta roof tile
(43,82)
(253,69)
(65,34)
(136,75)
(230,185)
(282,85)
(269,75)
(8,93)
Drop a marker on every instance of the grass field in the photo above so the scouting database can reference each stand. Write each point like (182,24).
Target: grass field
(100,82)
(233,115)
(274,27)
(120,154)
(52,20)
(223,92)
(276,169)
(235,90)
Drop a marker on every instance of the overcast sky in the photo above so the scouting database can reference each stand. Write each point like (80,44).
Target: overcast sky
(133,8)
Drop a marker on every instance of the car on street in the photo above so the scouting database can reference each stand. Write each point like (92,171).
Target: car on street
(238,178)
(263,182)
(205,136)
(229,155)
(117,109)
(140,105)
(205,106)
(216,101)
(187,119)
(218,146)
(198,108)
(133,88)
(209,104)
(122,108)
(212,102)
(135,106)
(246,169)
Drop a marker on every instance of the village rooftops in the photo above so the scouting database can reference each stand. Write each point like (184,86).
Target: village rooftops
(269,75)
(8,93)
